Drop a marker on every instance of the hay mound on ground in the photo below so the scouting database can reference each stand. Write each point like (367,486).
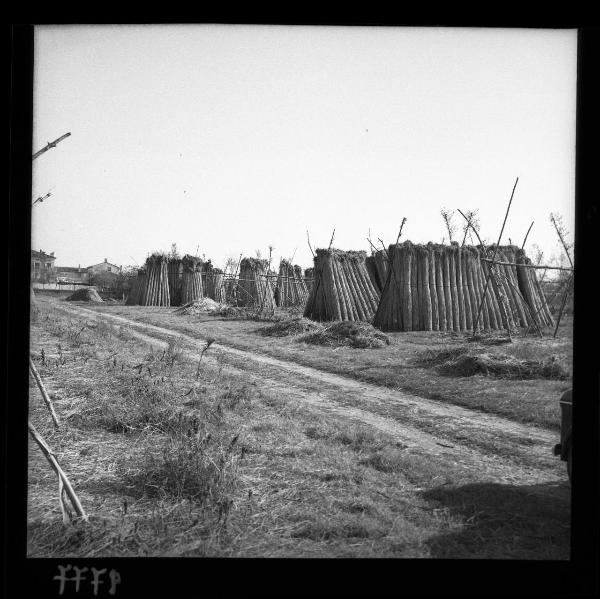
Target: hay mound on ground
(88,294)
(293,326)
(355,334)
(205,304)
(503,366)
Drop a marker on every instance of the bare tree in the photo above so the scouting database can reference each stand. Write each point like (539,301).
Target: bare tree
(447,216)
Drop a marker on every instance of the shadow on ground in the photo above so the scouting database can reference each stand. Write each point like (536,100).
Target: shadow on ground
(504,521)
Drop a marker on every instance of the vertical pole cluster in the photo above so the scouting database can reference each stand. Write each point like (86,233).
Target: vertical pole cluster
(191,279)
(291,288)
(342,288)
(156,289)
(377,267)
(443,288)
(253,286)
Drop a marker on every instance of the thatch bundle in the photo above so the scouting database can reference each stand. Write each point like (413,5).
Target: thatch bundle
(137,289)
(309,278)
(377,267)
(253,287)
(214,283)
(440,287)
(291,288)
(175,274)
(191,279)
(342,288)
(156,286)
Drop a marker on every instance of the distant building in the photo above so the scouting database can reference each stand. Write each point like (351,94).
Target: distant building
(72,274)
(42,266)
(104,267)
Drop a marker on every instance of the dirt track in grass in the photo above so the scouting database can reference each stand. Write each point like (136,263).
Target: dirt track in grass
(499,449)
(334,466)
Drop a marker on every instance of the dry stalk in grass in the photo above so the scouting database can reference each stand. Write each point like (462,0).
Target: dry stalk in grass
(64,484)
(44,393)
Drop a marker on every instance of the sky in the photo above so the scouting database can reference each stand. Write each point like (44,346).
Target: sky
(228,139)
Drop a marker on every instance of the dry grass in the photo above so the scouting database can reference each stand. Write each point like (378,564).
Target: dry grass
(362,335)
(291,327)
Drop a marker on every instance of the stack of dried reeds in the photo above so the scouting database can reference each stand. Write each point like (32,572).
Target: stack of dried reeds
(137,289)
(191,279)
(342,289)
(309,278)
(214,283)
(440,287)
(253,288)
(377,267)
(156,284)
(175,273)
(291,288)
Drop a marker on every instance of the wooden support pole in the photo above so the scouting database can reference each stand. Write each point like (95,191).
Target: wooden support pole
(63,480)
(44,393)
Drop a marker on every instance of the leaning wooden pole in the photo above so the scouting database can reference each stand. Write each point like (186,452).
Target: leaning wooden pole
(44,393)
(62,477)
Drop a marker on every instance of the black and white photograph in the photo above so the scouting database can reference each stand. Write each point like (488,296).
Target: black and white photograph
(301,291)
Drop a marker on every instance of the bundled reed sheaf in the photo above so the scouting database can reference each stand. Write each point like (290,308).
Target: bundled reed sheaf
(214,284)
(309,278)
(156,284)
(440,288)
(191,279)
(175,273)
(253,288)
(137,289)
(342,288)
(377,267)
(291,288)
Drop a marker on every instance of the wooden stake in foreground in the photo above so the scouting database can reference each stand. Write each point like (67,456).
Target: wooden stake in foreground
(63,482)
(44,393)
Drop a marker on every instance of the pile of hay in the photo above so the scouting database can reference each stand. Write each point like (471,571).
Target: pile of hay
(87,294)
(292,326)
(503,366)
(355,334)
(205,304)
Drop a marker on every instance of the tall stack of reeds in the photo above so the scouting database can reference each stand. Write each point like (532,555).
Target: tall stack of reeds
(156,287)
(377,267)
(253,288)
(137,289)
(213,282)
(309,278)
(191,279)
(175,272)
(342,289)
(291,288)
(531,289)
(440,288)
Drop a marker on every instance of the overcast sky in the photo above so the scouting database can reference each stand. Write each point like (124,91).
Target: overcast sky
(228,139)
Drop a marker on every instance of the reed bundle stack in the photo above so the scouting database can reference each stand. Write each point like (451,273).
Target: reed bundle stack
(291,288)
(377,267)
(137,289)
(156,283)
(440,288)
(213,280)
(309,278)
(191,279)
(253,288)
(175,274)
(342,288)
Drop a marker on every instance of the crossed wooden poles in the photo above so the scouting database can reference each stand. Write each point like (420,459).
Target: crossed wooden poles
(64,485)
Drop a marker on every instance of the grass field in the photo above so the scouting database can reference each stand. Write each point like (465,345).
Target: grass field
(174,456)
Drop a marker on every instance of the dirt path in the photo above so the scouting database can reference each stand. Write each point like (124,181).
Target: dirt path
(498,449)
